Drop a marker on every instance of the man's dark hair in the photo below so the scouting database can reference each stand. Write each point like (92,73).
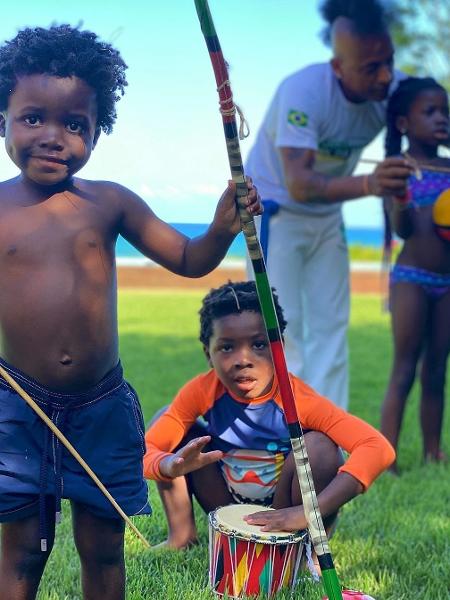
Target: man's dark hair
(399,104)
(369,17)
(230,299)
(65,51)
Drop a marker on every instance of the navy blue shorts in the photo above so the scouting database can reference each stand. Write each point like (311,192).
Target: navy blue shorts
(105,426)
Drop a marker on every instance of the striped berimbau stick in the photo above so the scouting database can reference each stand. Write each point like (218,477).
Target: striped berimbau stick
(303,468)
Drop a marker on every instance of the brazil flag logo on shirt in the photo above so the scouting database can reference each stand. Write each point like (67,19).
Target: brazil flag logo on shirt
(298,118)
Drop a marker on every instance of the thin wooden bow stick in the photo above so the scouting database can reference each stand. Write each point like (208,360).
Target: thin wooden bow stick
(303,467)
(62,438)
(415,163)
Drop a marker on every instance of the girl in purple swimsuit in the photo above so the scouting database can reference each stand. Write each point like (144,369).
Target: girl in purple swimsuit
(420,279)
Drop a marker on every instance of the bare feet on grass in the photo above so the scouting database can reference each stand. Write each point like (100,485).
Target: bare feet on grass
(438,457)
(176,544)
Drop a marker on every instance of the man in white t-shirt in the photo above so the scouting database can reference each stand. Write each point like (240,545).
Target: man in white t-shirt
(312,136)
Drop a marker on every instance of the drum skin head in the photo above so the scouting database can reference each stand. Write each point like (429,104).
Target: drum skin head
(244,561)
(230,519)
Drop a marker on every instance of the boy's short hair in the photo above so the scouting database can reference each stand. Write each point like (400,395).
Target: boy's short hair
(229,299)
(65,51)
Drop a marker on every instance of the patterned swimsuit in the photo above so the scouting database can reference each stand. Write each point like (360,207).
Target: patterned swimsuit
(424,192)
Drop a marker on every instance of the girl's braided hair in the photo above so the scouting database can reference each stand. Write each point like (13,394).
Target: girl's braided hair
(399,105)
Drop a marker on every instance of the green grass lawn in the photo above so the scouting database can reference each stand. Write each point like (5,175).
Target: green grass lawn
(393,542)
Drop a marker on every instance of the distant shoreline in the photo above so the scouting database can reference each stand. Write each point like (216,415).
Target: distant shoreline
(236,263)
(364,243)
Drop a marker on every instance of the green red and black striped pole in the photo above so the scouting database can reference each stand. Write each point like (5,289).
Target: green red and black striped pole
(310,504)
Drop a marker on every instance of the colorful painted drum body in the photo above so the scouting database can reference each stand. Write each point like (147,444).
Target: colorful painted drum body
(244,561)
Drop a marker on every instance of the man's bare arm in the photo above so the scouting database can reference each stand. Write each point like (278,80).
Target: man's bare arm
(306,185)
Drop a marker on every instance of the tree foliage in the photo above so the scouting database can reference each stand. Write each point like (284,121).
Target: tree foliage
(421,32)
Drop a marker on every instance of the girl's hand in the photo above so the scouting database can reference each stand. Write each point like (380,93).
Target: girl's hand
(227,214)
(189,458)
(283,519)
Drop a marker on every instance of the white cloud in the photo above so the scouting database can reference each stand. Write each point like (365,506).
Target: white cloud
(205,189)
(146,191)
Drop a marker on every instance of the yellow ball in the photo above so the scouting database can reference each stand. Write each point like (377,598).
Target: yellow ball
(441,215)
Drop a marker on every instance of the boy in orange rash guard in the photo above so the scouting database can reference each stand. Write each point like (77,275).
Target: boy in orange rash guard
(240,450)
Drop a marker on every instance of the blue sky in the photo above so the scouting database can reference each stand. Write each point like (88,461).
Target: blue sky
(167,144)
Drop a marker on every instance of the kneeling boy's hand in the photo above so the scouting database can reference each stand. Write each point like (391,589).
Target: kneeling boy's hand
(189,458)
(283,519)
(227,214)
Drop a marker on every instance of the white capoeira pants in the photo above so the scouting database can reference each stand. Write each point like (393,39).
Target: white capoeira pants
(307,264)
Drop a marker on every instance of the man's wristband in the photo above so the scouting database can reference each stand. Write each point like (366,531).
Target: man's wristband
(365,185)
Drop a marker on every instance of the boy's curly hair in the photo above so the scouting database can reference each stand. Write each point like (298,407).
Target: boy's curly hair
(229,299)
(65,51)
(369,17)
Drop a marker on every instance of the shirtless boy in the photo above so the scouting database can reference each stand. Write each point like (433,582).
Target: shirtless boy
(58,315)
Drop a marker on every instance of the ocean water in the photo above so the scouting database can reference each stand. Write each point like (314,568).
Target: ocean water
(355,235)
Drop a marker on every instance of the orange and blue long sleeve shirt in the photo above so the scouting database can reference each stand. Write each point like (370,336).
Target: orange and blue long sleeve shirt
(256,430)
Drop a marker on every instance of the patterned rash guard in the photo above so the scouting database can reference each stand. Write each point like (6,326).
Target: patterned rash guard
(254,437)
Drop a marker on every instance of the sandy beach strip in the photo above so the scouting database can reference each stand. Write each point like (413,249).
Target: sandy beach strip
(365,278)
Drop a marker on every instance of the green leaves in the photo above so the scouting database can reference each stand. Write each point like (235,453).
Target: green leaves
(420,33)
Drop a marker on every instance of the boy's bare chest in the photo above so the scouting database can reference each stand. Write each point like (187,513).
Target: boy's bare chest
(52,232)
